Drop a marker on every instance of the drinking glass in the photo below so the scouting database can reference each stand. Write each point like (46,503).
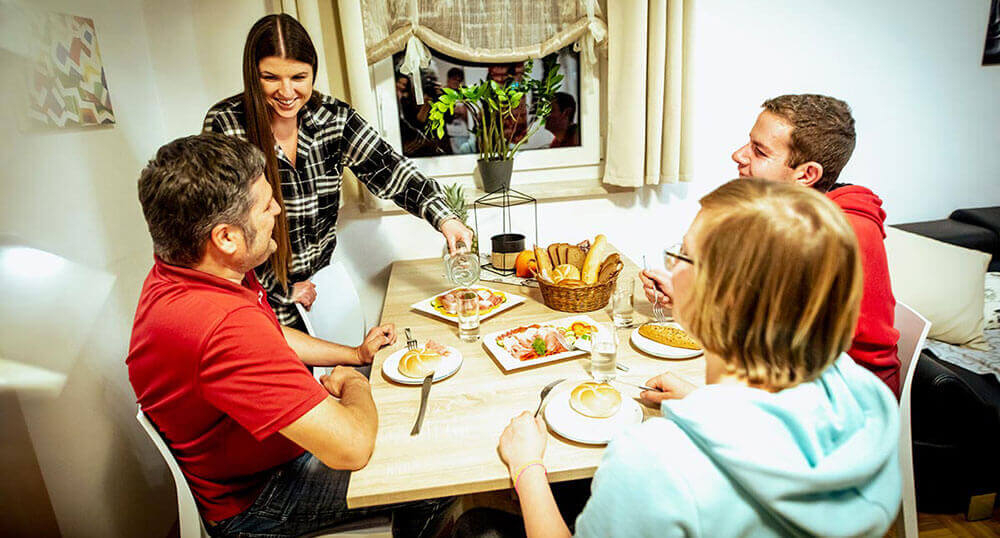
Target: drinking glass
(468,316)
(604,352)
(622,302)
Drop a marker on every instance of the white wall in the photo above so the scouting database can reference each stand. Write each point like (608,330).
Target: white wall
(73,192)
(927,117)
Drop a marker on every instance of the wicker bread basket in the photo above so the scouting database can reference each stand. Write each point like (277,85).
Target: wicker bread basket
(579,298)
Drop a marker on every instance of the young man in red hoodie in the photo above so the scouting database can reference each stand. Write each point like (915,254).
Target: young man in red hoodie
(808,139)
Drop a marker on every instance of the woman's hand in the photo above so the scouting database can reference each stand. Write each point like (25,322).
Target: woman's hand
(454,230)
(522,441)
(668,387)
(304,293)
(658,287)
(376,339)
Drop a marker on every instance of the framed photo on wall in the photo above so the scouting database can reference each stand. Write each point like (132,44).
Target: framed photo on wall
(991,51)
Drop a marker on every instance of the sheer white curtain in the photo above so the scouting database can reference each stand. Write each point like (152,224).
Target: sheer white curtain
(648,101)
(478,30)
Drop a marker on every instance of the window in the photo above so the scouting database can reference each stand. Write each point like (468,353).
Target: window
(569,148)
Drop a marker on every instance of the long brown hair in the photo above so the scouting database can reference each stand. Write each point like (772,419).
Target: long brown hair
(273,35)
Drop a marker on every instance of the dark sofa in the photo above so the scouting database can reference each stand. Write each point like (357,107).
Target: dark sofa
(956,413)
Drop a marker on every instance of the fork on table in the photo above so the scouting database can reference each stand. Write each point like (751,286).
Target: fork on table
(658,313)
(545,392)
(411,343)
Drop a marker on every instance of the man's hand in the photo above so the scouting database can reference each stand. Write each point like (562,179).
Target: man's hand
(658,286)
(670,387)
(523,440)
(376,339)
(304,293)
(454,230)
(340,377)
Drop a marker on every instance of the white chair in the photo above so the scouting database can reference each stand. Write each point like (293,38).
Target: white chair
(336,314)
(912,329)
(191,525)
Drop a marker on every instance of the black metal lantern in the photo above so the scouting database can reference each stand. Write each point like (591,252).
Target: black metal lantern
(508,240)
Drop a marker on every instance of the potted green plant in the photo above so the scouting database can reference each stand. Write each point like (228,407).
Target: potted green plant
(491,104)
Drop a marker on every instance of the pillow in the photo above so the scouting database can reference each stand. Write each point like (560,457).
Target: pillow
(991,301)
(943,282)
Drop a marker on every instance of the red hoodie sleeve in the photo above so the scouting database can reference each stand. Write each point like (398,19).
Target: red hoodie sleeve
(874,345)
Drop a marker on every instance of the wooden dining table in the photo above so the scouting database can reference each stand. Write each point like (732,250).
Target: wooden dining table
(455,452)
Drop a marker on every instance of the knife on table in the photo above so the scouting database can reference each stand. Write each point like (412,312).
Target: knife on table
(425,390)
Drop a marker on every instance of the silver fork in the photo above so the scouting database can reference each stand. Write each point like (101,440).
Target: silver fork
(411,343)
(545,392)
(658,313)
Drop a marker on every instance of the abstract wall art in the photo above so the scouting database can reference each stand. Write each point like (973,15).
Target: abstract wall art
(67,85)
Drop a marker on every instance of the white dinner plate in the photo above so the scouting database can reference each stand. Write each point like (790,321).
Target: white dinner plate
(427,305)
(450,364)
(582,429)
(508,362)
(657,349)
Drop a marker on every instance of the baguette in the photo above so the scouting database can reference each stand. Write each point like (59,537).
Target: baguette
(592,264)
(671,336)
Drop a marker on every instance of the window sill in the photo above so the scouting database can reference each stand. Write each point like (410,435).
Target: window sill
(545,191)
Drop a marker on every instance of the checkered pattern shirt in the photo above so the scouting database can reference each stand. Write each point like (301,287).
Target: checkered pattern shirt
(332,135)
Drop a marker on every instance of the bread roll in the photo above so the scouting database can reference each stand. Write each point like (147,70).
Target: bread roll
(417,363)
(565,271)
(596,400)
(592,264)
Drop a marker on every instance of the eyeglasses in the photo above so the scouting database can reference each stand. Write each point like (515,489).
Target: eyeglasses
(673,254)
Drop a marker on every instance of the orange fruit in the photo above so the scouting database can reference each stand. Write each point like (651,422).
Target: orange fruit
(524,264)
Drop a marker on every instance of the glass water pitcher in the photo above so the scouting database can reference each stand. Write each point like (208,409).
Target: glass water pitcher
(462,267)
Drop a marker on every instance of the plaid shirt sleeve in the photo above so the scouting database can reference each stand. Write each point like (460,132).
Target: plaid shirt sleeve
(221,119)
(389,175)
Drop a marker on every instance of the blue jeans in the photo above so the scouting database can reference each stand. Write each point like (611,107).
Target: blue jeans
(305,496)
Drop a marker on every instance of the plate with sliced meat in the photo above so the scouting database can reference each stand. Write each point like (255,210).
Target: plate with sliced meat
(445,305)
(539,343)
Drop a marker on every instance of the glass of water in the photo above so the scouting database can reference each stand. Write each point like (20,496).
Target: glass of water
(623,302)
(468,316)
(604,352)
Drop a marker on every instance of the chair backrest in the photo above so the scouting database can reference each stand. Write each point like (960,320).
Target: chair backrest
(913,330)
(336,314)
(190,523)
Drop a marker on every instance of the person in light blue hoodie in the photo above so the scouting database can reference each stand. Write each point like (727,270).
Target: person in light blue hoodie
(788,437)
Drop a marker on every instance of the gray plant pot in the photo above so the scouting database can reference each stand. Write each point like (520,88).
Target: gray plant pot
(495,174)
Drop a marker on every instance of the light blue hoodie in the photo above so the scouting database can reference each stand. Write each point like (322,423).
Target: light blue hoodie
(820,458)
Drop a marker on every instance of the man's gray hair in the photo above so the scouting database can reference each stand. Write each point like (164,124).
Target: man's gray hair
(194,184)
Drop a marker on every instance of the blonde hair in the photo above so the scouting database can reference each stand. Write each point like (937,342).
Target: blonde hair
(778,281)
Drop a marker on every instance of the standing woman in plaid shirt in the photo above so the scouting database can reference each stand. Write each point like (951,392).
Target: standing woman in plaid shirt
(309,139)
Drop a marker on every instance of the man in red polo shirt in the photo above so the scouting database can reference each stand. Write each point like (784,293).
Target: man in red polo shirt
(264,447)
(807,140)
